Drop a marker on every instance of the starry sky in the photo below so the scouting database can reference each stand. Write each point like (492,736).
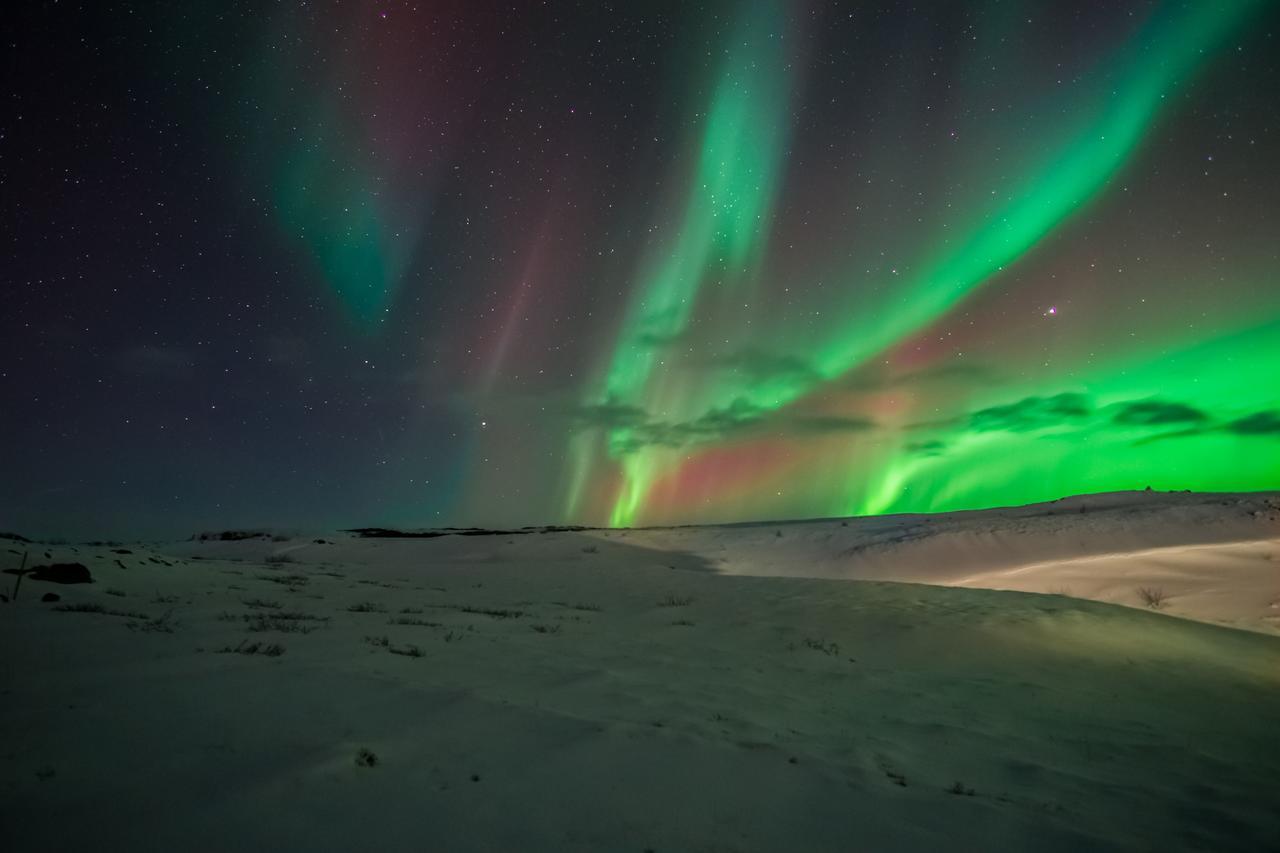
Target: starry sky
(320,264)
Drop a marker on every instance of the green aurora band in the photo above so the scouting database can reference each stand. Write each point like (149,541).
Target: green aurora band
(722,242)
(1126,430)
(724,222)
(356,209)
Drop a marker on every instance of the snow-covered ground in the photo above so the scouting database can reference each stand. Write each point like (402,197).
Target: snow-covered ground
(738,688)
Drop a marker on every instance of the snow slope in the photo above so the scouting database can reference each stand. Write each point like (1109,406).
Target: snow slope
(1215,557)
(570,691)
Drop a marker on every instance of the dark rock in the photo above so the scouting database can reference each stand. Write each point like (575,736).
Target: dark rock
(50,596)
(230,536)
(388,533)
(62,573)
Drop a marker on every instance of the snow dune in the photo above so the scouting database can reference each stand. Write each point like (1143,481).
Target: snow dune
(1214,557)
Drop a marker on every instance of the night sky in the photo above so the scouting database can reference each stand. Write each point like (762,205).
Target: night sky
(329,264)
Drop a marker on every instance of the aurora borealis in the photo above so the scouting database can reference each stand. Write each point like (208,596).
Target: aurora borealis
(469,263)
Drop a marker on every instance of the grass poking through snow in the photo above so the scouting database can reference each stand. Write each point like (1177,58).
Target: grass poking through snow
(366,607)
(272,650)
(1152,596)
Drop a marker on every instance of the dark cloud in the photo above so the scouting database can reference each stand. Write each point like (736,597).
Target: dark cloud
(1158,413)
(660,328)
(657,340)
(639,431)
(762,366)
(1032,413)
(610,415)
(927,448)
(1177,433)
(740,418)
(1265,423)
(1161,419)
(955,422)
(737,414)
(828,423)
(1261,423)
